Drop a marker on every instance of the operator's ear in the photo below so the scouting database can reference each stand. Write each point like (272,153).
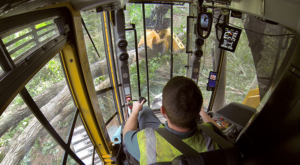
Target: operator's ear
(163,112)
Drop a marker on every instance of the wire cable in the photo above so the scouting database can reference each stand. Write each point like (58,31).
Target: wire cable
(274,35)
(87,31)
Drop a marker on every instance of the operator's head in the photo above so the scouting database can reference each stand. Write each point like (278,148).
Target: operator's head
(182,101)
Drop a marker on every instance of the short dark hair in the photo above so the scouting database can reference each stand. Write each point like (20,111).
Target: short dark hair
(182,101)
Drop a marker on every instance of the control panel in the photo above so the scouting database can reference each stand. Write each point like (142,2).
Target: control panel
(230,130)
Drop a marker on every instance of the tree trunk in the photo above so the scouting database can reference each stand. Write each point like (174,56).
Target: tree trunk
(12,117)
(51,110)
(56,110)
(26,139)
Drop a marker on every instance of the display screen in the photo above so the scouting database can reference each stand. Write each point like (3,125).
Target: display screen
(204,21)
(127,90)
(212,79)
(230,38)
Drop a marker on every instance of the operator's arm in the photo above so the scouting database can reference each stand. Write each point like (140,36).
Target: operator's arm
(131,124)
(207,118)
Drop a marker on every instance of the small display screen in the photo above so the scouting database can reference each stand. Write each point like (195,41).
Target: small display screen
(230,38)
(127,90)
(212,79)
(204,21)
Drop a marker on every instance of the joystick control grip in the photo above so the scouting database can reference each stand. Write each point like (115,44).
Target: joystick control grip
(141,99)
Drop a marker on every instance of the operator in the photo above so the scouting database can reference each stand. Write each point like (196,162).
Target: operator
(181,104)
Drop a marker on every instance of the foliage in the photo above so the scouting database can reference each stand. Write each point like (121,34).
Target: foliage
(49,147)
(240,68)
(71,161)
(1,71)
(7,138)
(2,156)
(26,160)
(50,74)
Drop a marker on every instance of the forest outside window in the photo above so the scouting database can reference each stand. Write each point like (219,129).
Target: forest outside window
(71,161)
(50,91)
(1,71)
(98,65)
(107,105)
(23,138)
(158,47)
(97,160)
(112,127)
(180,13)
(159,54)
(241,73)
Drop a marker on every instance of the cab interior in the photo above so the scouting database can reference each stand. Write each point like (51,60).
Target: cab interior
(70,71)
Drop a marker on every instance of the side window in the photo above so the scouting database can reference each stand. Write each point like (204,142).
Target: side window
(81,144)
(158,48)
(50,91)
(99,69)
(24,138)
(25,40)
(241,73)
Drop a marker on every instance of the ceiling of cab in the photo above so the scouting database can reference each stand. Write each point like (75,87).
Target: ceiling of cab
(159,1)
(284,12)
(90,4)
(13,7)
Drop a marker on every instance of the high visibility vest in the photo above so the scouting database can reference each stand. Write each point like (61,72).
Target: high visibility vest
(154,148)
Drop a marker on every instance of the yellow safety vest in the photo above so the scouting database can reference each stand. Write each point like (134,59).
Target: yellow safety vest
(154,148)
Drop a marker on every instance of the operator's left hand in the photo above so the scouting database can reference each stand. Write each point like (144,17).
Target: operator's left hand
(137,107)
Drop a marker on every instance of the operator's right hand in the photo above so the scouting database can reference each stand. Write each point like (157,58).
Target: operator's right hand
(137,107)
(202,112)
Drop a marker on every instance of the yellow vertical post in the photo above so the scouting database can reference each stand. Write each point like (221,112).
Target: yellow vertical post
(79,77)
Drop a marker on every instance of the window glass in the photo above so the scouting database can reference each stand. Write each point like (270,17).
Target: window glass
(158,36)
(13,36)
(23,138)
(71,161)
(97,160)
(51,93)
(98,65)
(1,71)
(107,104)
(159,50)
(136,17)
(24,41)
(180,57)
(81,143)
(241,74)
(112,127)
(271,50)
(133,67)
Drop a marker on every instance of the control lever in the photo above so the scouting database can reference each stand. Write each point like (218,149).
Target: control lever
(141,99)
(129,104)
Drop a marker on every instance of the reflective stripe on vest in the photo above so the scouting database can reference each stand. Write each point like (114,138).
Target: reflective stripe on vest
(150,145)
(208,142)
(159,150)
